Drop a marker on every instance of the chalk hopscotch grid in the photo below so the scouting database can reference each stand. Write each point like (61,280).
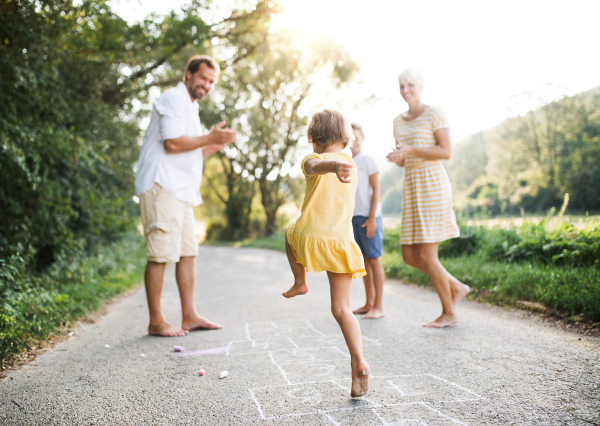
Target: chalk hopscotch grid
(370,405)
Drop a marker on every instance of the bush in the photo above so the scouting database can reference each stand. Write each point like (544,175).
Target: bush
(34,306)
(553,262)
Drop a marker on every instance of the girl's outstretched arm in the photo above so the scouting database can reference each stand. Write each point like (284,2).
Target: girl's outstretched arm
(314,166)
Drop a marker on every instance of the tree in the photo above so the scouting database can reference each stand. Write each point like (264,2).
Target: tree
(262,96)
(71,77)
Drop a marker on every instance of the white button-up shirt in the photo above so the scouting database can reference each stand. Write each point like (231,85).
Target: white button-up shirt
(173,115)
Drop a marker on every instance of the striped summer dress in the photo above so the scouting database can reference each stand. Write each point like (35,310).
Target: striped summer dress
(427,215)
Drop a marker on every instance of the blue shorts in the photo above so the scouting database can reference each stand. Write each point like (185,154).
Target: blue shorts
(370,247)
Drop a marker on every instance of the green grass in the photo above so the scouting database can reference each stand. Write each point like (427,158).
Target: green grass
(32,308)
(566,290)
(274,242)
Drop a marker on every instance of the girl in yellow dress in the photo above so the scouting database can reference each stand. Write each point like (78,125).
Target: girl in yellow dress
(322,238)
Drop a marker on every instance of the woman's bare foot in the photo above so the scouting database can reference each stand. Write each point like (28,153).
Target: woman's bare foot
(442,321)
(360,380)
(459,290)
(166,329)
(363,309)
(296,290)
(199,323)
(374,313)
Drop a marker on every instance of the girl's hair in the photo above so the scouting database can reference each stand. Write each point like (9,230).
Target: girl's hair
(329,126)
(412,75)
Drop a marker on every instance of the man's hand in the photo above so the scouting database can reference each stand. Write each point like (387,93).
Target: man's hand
(220,135)
(371,225)
(343,171)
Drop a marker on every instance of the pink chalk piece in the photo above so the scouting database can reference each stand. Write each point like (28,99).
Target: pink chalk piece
(201,372)
(178,348)
(211,351)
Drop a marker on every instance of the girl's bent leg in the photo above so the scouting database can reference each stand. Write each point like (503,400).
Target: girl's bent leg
(299,272)
(340,307)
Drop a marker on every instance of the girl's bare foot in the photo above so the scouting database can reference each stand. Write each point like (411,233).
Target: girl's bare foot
(442,321)
(199,323)
(360,380)
(362,310)
(296,290)
(374,313)
(166,329)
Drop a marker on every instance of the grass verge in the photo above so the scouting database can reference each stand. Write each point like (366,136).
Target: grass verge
(40,306)
(274,242)
(567,290)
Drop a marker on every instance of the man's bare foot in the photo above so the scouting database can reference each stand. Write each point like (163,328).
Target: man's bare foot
(363,309)
(360,380)
(374,313)
(442,321)
(199,323)
(296,290)
(459,290)
(166,329)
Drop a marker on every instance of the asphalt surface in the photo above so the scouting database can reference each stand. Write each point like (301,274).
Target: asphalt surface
(288,364)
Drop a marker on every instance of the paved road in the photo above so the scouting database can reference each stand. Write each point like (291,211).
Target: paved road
(288,364)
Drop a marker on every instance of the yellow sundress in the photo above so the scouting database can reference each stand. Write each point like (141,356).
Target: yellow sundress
(322,238)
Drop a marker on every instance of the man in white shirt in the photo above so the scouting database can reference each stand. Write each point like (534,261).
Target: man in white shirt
(368,226)
(168,186)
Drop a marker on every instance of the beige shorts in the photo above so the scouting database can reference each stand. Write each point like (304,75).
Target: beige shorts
(168,226)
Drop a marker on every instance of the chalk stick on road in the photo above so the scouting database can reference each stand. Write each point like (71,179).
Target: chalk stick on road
(178,348)
(223,374)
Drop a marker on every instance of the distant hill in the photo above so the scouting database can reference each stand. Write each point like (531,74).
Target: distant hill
(526,162)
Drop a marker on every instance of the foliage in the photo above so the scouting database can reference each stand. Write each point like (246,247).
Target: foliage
(261,96)
(531,160)
(554,261)
(72,77)
(34,307)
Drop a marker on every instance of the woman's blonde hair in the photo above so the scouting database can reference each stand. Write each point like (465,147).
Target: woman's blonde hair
(412,75)
(329,126)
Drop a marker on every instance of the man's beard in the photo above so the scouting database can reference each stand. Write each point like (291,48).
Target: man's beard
(196,92)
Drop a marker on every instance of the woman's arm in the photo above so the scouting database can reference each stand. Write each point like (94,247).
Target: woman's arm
(314,166)
(441,151)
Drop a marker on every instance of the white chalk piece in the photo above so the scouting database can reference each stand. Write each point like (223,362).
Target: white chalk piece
(178,348)
(143,355)
(223,374)
(477,350)
(107,346)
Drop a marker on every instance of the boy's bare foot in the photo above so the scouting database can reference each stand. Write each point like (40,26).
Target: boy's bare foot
(199,323)
(166,329)
(362,310)
(460,291)
(360,380)
(374,313)
(296,290)
(442,321)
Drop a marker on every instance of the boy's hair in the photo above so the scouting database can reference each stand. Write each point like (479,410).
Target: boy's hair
(356,126)
(329,126)
(193,65)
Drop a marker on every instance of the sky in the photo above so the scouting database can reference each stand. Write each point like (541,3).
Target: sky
(476,55)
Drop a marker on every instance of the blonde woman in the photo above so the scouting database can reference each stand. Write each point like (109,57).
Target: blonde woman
(422,141)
